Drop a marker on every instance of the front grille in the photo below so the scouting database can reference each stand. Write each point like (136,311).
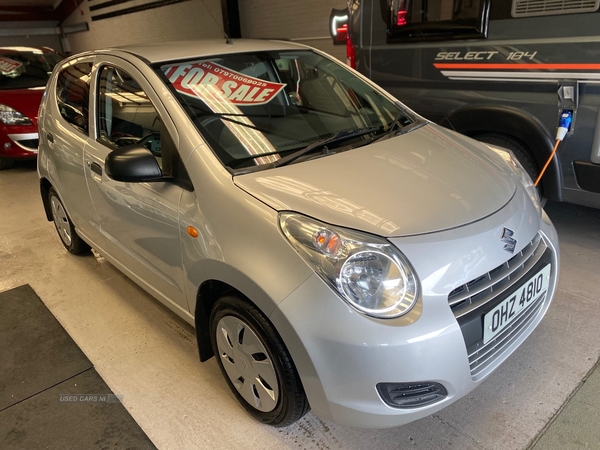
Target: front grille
(471,301)
(483,357)
(481,290)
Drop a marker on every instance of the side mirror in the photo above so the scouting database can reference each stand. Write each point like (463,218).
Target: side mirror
(132,163)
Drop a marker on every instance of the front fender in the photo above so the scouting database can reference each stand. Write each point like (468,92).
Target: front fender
(514,122)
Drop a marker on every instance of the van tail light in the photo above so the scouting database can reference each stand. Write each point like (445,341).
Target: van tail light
(338,25)
(401,18)
(399,13)
(350,53)
(341,34)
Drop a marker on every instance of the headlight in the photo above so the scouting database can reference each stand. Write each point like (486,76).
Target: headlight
(521,174)
(9,116)
(365,270)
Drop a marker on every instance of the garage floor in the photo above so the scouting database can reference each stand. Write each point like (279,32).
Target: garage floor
(546,396)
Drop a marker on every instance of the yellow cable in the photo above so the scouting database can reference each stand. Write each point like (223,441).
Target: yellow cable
(547,163)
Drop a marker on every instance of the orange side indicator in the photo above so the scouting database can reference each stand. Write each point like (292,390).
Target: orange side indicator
(193,232)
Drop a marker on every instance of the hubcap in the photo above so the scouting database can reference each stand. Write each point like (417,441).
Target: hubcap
(61,220)
(247,363)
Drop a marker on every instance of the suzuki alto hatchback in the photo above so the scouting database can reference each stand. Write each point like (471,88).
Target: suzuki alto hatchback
(333,249)
(24,72)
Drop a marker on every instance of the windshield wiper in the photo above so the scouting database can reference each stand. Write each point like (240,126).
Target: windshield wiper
(398,126)
(239,161)
(399,123)
(340,136)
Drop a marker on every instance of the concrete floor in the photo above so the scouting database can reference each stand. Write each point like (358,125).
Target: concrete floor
(149,356)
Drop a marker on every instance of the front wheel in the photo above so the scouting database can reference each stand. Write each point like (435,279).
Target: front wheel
(518,149)
(64,227)
(256,364)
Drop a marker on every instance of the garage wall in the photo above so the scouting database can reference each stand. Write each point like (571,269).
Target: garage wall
(306,22)
(186,20)
(26,34)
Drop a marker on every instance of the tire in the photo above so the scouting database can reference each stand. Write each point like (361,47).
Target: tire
(256,364)
(6,163)
(519,150)
(64,227)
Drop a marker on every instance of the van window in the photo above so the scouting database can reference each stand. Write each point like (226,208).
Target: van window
(418,20)
(73,95)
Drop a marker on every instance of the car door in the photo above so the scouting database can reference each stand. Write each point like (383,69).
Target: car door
(63,130)
(139,222)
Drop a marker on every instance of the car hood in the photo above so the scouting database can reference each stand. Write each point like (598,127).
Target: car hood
(26,101)
(427,180)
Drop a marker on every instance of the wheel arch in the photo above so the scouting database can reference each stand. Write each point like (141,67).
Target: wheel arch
(517,124)
(208,294)
(228,281)
(45,186)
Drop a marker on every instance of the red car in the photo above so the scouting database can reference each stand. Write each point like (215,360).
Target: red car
(24,72)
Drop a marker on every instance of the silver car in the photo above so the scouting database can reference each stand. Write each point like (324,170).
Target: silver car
(334,250)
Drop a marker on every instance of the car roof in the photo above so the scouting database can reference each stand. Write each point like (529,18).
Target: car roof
(168,51)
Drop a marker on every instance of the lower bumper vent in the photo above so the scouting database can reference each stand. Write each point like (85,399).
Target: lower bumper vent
(411,395)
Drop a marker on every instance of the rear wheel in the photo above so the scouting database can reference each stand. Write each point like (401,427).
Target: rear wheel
(256,364)
(64,227)
(519,150)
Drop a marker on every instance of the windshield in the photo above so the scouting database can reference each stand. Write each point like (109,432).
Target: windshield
(255,108)
(26,69)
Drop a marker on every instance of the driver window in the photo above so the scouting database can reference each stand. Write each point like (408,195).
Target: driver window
(126,116)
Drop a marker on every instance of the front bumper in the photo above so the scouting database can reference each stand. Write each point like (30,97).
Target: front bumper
(19,142)
(342,355)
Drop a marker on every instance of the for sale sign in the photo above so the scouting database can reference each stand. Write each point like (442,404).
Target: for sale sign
(214,83)
(8,65)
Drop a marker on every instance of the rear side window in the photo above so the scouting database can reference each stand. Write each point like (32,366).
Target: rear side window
(73,95)
(419,20)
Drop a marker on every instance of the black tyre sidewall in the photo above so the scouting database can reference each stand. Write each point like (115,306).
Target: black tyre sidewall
(526,160)
(292,403)
(6,163)
(519,150)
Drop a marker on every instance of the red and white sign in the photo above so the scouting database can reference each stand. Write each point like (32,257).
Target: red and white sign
(7,65)
(214,83)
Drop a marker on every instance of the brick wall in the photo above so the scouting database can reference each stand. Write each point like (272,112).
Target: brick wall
(187,20)
(304,21)
(292,19)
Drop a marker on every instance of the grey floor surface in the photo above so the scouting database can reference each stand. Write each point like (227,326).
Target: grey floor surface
(51,396)
(538,398)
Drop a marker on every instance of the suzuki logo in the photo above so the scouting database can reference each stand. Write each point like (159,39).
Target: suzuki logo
(509,242)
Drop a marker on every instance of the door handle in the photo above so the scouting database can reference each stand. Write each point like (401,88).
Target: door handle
(50,137)
(95,167)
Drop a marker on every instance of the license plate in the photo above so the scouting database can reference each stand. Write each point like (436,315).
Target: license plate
(503,314)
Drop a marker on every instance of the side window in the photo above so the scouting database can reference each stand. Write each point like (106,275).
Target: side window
(418,20)
(126,116)
(73,95)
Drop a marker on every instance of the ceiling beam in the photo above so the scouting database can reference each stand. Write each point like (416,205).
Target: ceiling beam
(14,13)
